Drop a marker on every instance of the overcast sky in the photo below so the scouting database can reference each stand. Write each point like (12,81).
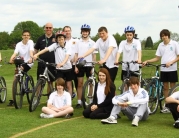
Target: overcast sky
(148,17)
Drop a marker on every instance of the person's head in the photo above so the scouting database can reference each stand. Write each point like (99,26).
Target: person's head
(129,32)
(134,84)
(60,37)
(60,84)
(26,35)
(103,76)
(85,30)
(103,33)
(165,34)
(48,29)
(67,30)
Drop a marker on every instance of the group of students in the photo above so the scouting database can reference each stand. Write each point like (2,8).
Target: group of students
(65,51)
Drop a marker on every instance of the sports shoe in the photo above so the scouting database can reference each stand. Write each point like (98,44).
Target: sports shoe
(11,103)
(109,120)
(78,106)
(73,95)
(165,110)
(176,124)
(42,115)
(135,121)
(68,116)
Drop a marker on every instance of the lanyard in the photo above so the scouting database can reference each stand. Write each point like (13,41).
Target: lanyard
(46,41)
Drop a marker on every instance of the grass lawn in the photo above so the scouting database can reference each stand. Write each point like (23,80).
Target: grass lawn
(25,124)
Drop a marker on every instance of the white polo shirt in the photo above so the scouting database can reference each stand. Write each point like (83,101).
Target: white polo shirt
(24,50)
(175,95)
(168,53)
(60,54)
(100,92)
(82,47)
(60,101)
(130,53)
(72,42)
(103,46)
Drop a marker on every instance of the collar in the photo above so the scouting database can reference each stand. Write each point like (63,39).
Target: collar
(102,84)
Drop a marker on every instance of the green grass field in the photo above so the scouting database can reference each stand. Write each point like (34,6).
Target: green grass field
(24,124)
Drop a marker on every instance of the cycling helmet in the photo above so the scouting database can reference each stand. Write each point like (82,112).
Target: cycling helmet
(85,27)
(129,29)
(81,62)
(60,33)
(18,60)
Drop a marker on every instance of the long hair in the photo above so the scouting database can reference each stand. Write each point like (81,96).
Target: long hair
(108,80)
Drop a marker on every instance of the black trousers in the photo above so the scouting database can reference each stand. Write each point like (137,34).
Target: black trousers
(173,110)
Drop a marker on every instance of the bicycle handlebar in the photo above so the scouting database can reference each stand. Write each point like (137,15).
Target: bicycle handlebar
(149,64)
(120,62)
(46,63)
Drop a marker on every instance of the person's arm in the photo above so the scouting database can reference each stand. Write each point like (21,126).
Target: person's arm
(12,57)
(117,57)
(157,58)
(139,56)
(0,57)
(87,53)
(63,62)
(172,62)
(35,51)
(94,56)
(40,53)
(108,53)
(49,105)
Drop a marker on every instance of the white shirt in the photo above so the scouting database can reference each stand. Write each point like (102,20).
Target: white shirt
(60,101)
(24,50)
(168,53)
(103,46)
(175,95)
(82,47)
(140,98)
(60,54)
(100,92)
(130,53)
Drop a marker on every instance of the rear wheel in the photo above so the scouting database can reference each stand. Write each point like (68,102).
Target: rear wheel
(17,93)
(36,95)
(87,93)
(3,90)
(30,88)
(174,89)
(153,96)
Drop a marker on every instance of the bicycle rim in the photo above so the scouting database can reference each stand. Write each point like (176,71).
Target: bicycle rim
(125,86)
(174,89)
(30,88)
(3,90)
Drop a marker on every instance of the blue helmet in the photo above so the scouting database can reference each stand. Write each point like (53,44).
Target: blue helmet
(85,27)
(129,29)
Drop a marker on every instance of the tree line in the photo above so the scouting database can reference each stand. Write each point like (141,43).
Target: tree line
(8,41)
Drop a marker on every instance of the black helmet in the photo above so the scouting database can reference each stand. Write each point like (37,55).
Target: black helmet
(18,60)
(81,62)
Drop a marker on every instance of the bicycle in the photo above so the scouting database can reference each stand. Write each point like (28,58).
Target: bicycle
(175,88)
(125,84)
(155,90)
(38,89)
(22,84)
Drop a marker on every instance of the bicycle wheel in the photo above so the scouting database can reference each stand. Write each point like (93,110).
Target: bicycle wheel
(36,95)
(87,93)
(125,86)
(174,89)
(153,96)
(3,90)
(17,93)
(30,88)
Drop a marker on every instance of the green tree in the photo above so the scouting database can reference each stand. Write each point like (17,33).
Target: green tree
(156,44)
(174,36)
(149,43)
(95,38)
(4,40)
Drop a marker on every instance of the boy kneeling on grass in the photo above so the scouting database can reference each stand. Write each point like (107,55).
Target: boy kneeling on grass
(133,103)
(59,102)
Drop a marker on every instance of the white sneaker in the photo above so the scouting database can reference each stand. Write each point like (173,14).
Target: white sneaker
(109,120)
(176,124)
(165,110)
(135,121)
(42,115)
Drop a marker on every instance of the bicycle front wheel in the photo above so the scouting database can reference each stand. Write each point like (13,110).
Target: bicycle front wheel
(174,89)
(125,86)
(30,88)
(3,90)
(36,95)
(151,88)
(17,93)
(88,93)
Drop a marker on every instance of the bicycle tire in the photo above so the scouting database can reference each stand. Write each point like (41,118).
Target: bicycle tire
(161,97)
(17,93)
(87,99)
(3,90)
(125,86)
(153,96)
(30,88)
(36,95)
(174,89)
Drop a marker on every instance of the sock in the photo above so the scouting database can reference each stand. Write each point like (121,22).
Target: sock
(113,117)
(79,101)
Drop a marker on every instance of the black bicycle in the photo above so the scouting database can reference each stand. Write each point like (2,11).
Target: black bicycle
(22,84)
(38,90)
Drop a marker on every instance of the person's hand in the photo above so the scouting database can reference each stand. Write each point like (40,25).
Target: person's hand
(168,64)
(123,104)
(30,60)
(35,57)
(76,70)
(94,107)
(59,65)
(101,62)
(144,63)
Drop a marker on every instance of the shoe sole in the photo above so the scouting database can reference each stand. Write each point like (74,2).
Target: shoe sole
(107,122)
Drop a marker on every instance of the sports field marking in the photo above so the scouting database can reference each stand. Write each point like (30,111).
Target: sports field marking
(40,127)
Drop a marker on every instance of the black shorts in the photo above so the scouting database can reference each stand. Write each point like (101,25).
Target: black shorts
(112,72)
(124,74)
(41,68)
(83,71)
(65,74)
(171,76)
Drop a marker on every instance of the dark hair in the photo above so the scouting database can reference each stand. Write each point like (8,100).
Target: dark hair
(133,80)
(102,28)
(108,80)
(165,32)
(66,27)
(25,31)
(86,30)
(60,82)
